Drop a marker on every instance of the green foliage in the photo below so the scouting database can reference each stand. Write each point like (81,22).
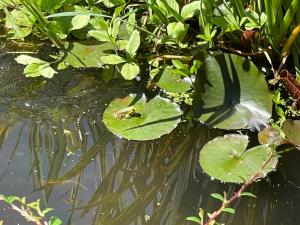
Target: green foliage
(226,159)
(242,98)
(35,67)
(132,117)
(31,211)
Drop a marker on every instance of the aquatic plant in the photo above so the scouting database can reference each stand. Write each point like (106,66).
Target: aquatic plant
(31,211)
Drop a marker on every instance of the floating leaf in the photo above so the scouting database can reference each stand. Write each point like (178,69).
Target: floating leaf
(233,93)
(35,67)
(291,129)
(133,43)
(99,35)
(133,118)
(170,80)
(112,59)
(86,53)
(130,70)
(225,159)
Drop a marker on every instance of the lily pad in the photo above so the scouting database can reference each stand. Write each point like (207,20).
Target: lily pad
(86,53)
(170,80)
(225,159)
(233,93)
(291,129)
(132,117)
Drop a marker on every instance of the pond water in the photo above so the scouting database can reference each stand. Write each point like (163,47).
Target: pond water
(53,146)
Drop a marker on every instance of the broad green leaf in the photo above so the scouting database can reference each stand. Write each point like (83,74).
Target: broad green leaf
(121,44)
(232,93)
(229,210)
(131,22)
(19,22)
(86,53)
(218,196)
(170,80)
(194,219)
(36,70)
(226,159)
(270,135)
(79,21)
(291,129)
(26,59)
(191,9)
(115,28)
(134,118)
(133,43)
(130,70)
(99,35)
(171,7)
(179,65)
(112,59)
(177,30)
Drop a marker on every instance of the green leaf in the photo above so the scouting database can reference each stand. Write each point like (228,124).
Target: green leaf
(133,118)
(130,70)
(232,93)
(115,28)
(133,43)
(36,70)
(79,21)
(195,67)
(291,129)
(112,59)
(179,65)
(177,30)
(131,22)
(191,9)
(218,196)
(99,35)
(85,53)
(26,60)
(248,194)
(170,80)
(229,210)
(55,221)
(19,22)
(194,219)
(225,159)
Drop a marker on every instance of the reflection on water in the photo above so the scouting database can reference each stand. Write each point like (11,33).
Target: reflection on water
(55,147)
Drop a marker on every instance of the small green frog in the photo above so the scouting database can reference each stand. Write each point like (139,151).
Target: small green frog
(125,113)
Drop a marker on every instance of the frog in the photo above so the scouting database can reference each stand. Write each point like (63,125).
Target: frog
(126,113)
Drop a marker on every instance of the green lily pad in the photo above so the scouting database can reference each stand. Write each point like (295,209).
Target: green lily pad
(132,117)
(86,53)
(225,159)
(291,129)
(170,80)
(233,93)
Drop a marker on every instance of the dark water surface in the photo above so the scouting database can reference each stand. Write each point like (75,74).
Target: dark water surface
(53,146)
